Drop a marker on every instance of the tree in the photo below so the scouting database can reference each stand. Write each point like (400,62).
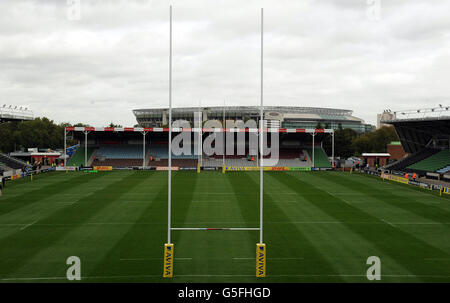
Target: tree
(319,125)
(375,142)
(343,139)
(361,145)
(114,125)
(40,133)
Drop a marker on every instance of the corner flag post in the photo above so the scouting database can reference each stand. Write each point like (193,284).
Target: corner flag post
(261,247)
(169,247)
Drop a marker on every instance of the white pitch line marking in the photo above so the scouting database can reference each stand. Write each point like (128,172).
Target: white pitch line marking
(196,223)
(387,222)
(206,276)
(342,199)
(28,225)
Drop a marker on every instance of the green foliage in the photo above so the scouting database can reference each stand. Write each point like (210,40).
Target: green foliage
(348,143)
(343,139)
(40,133)
(114,125)
(375,142)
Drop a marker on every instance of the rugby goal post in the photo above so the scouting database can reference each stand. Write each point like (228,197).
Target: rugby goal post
(168,262)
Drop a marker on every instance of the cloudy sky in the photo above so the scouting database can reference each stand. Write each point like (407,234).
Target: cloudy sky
(97,64)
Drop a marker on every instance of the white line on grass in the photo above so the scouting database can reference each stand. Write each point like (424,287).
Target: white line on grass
(343,200)
(28,225)
(387,222)
(224,276)
(197,223)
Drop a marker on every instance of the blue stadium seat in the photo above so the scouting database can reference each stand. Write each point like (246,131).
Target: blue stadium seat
(120,151)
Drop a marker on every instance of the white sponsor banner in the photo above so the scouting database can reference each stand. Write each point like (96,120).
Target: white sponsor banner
(61,168)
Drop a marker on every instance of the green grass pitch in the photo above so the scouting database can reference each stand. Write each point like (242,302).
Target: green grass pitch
(319,227)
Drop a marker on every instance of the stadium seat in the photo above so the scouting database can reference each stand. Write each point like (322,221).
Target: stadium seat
(433,163)
(120,151)
(320,157)
(117,162)
(12,162)
(78,157)
(162,152)
(416,157)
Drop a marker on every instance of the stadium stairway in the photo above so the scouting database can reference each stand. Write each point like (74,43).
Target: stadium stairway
(78,157)
(433,163)
(320,157)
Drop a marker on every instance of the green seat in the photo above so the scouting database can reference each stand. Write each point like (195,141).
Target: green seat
(320,157)
(78,157)
(434,162)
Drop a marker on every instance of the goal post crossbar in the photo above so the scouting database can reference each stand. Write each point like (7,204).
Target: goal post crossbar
(216,228)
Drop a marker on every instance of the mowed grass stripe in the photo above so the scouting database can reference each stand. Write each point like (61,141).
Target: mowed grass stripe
(404,248)
(246,193)
(345,249)
(412,204)
(91,243)
(45,207)
(308,230)
(33,196)
(24,245)
(410,191)
(289,241)
(395,210)
(211,251)
(139,251)
(38,180)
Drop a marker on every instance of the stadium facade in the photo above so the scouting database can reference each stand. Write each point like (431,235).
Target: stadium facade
(276,116)
(15,113)
(425,136)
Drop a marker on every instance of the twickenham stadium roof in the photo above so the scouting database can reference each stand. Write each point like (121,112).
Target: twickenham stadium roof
(287,116)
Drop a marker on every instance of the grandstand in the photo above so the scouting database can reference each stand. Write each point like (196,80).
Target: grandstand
(120,148)
(8,162)
(425,138)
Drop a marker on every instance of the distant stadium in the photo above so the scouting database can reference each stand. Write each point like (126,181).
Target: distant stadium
(276,116)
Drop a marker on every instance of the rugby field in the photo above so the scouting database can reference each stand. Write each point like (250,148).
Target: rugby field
(318,227)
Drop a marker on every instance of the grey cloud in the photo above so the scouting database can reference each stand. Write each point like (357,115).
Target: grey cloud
(317,53)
